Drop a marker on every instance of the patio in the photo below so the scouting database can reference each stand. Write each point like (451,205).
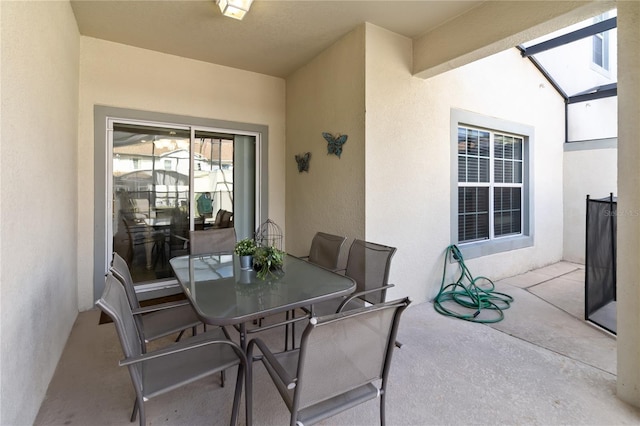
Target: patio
(542,364)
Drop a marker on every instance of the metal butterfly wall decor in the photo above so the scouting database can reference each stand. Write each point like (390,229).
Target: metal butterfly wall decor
(303,162)
(334,143)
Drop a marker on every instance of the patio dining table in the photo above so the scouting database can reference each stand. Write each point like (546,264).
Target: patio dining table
(224,294)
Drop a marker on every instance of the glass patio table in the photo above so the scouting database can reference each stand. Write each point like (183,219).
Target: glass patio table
(224,294)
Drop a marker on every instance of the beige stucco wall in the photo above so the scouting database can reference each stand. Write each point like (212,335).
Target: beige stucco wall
(407,169)
(402,172)
(121,76)
(592,172)
(326,95)
(628,267)
(408,157)
(39,80)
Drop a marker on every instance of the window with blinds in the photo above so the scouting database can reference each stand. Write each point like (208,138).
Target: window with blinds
(490,184)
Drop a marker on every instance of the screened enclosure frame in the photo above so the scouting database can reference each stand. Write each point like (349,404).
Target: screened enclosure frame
(590,94)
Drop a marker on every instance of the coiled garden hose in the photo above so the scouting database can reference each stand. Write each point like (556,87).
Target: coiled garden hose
(472,297)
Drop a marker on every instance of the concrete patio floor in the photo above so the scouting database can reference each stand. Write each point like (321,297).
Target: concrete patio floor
(542,365)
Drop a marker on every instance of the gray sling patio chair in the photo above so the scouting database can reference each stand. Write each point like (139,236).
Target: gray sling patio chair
(155,321)
(325,250)
(369,265)
(222,240)
(343,360)
(160,371)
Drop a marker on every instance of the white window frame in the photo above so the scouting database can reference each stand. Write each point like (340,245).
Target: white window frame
(461,118)
(492,185)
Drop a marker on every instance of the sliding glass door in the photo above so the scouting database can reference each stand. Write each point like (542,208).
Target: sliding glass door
(167,180)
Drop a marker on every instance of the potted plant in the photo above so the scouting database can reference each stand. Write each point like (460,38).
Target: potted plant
(245,249)
(266,260)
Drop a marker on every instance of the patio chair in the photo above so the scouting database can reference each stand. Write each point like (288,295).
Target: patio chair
(223,219)
(138,235)
(325,250)
(155,321)
(155,373)
(332,371)
(221,240)
(368,264)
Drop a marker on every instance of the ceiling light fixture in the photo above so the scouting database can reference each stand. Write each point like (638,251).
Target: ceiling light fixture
(234,8)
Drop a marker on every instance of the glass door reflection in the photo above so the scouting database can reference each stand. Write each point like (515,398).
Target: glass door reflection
(213,180)
(154,208)
(151,170)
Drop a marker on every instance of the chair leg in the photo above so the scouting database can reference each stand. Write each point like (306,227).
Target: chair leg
(382,419)
(286,332)
(179,336)
(223,372)
(293,330)
(139,407)
(290,315)
(224,330)
(236,397)
(134,412)
(142,416)
(248,392)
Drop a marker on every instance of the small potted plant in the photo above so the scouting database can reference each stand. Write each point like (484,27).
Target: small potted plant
(266,260)
(245,249)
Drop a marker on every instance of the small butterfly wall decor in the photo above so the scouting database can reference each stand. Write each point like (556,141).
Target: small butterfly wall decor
(334,143)
(303,162)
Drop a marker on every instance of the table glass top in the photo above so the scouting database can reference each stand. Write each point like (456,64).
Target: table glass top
(222,293)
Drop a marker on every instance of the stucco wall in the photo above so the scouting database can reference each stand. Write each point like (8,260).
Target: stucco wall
(589,171)
(121,76)
(408,157)
(628,267)
(326,95)
(39,80)
(402,172)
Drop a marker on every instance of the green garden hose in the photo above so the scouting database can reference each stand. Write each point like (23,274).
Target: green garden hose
(473,298)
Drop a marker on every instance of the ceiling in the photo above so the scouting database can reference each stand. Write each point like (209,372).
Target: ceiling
(275,38)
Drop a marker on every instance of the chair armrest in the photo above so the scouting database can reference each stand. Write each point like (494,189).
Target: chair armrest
(361,293)
(289,382)
(184,346)
(160,307)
